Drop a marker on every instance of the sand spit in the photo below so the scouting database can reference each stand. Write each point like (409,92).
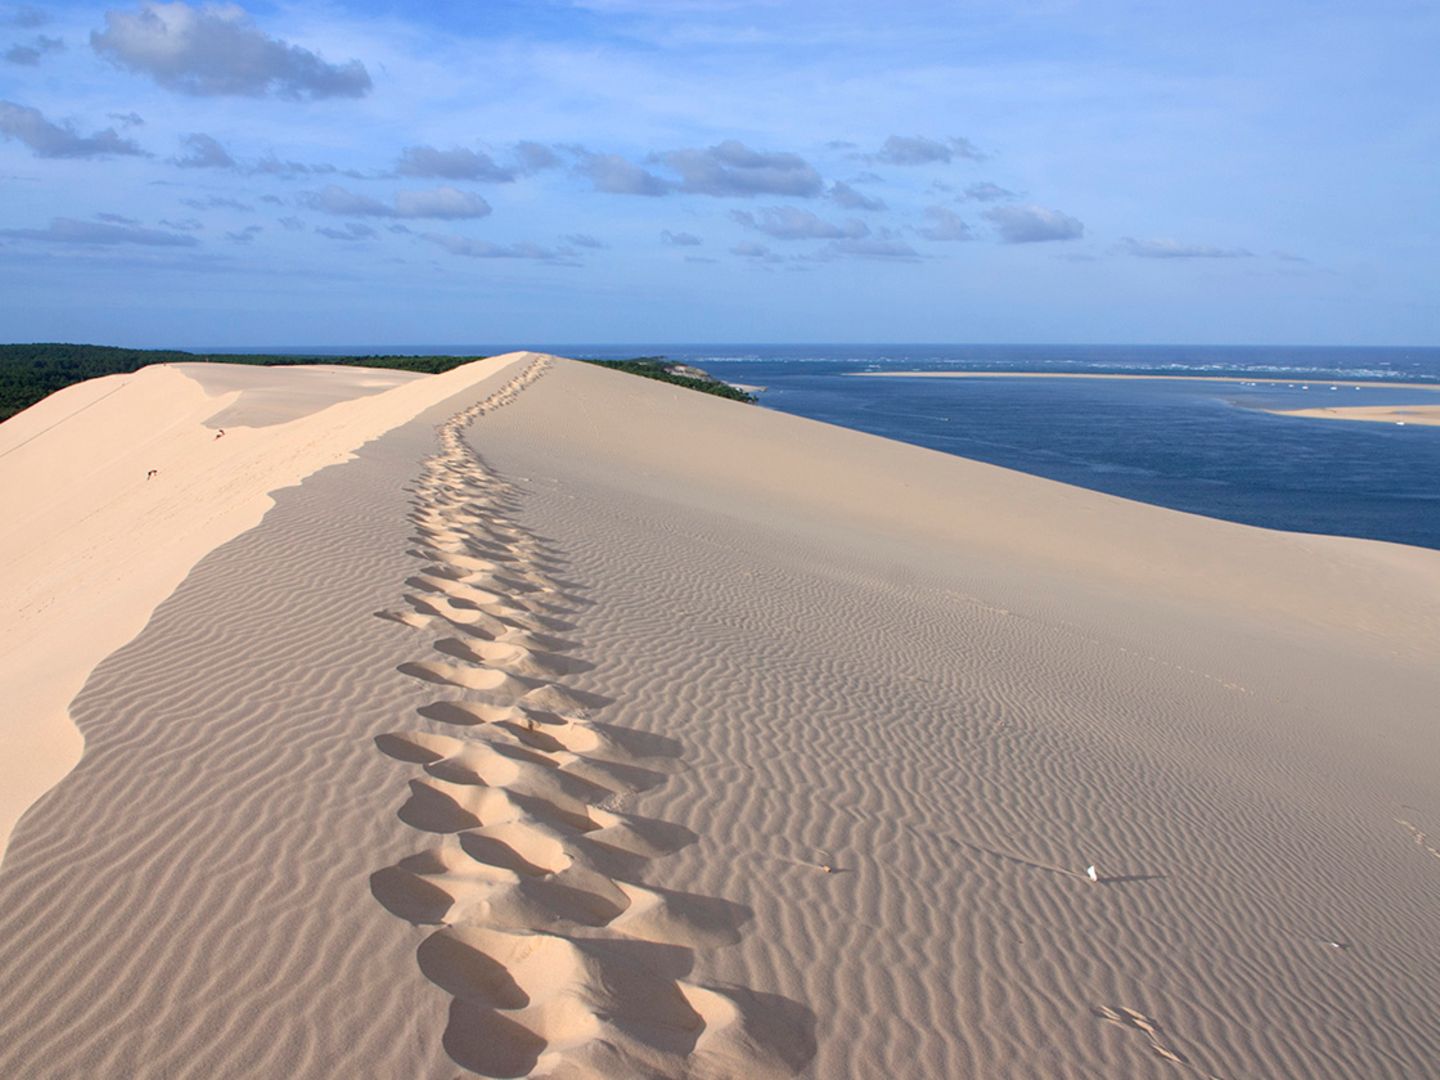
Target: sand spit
(116,487)
(696,740)
(1421,415)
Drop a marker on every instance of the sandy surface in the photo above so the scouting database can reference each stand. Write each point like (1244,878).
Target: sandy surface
(91,542)
(700,740)
(273,395)
(1425,415)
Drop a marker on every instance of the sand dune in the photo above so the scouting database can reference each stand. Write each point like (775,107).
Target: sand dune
(697,740)
(117,486)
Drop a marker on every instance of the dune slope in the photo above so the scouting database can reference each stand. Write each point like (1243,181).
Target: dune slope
(697,740)
(117,486)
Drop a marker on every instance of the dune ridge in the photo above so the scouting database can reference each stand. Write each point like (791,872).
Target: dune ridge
(118,486)
(696,740)
(955,687)
(557,957)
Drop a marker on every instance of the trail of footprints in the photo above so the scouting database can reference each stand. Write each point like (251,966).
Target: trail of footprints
(1134,1020)
(558,960)
(1418,835)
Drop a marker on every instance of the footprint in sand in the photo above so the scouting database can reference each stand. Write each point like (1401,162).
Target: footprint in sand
(555,958)
(1135,1020)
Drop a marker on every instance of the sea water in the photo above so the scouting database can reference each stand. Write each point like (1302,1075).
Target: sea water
(1204,447)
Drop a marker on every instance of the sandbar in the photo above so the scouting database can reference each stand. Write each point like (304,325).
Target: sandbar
(1420,415)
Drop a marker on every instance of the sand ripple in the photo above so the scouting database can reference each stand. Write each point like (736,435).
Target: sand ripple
(558,959)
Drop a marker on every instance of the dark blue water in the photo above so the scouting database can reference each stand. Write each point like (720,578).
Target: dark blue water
(1203,447)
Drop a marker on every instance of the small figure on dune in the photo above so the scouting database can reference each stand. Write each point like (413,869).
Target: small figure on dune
(152,474)
(1092,874)
(220,434)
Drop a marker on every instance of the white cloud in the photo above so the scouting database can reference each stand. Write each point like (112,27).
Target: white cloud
(919,150)
(70,231)
(985,191)
(217,50)
(842,194)
(455,164)
(49,140)
(26,17)
(1033,224)
(1173,249)
(886,247)
(790,223)
(350,232)
(203,152)
(945,225)
(30,55)
(481,249)
(730,168)
(441,202)
(758,252)
(613,175)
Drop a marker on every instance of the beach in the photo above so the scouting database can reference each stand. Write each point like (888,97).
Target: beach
(536,719)
(1425,415)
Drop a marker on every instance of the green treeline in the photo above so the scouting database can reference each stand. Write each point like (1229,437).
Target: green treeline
(654,367)
(31,372)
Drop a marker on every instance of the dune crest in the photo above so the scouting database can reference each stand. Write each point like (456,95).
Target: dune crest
(698,740)
(556,958)
(118,486)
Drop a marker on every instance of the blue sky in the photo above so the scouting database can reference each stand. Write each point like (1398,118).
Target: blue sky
(387,173)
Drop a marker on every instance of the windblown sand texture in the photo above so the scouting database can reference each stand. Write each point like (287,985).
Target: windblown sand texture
(117,486)
(559,960)
(1423,415)
(698,740)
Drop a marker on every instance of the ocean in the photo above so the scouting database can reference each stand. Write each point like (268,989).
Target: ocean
(1202,447)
